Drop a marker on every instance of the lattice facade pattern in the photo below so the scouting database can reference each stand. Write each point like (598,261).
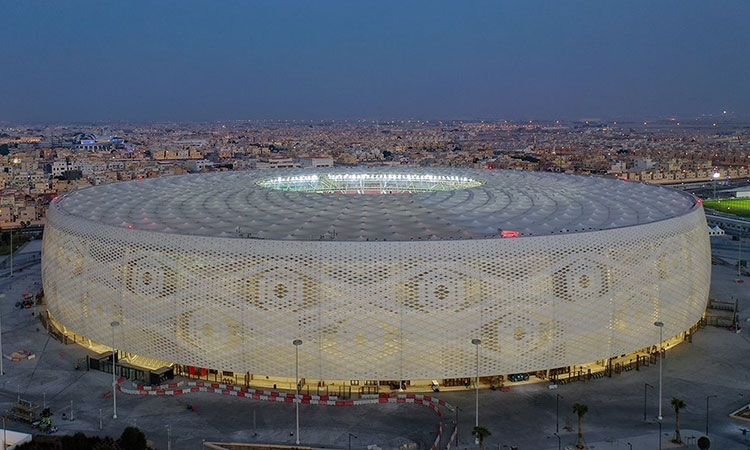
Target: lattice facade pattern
(377,310)
(244,204)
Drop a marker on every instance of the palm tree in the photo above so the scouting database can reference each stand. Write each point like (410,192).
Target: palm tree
(481,433)
(580,409)
(677,404)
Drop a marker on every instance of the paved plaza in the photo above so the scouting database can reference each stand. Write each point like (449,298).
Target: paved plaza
(715,363)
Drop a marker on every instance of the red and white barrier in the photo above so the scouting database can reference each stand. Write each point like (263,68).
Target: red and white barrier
(453,438)
(416,398)
(230,387)
(183,387)
(436,444)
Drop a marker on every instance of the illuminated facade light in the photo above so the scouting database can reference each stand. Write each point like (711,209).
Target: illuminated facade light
(216,273)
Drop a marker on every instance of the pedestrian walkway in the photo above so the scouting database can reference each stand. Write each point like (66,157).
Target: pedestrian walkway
(29,254)
(651,441)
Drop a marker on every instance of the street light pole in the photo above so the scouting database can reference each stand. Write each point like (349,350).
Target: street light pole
(645,397)
(114,366)
(350,440)
(557,412)
(739,258)
(660,325)
(659,423)
(715,176)
(457,409)
(707,398)
(477,342)
(297,343)
(2,370)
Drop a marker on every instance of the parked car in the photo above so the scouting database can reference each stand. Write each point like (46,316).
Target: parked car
(518,377)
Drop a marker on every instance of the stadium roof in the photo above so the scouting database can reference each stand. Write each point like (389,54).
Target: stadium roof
(402,204)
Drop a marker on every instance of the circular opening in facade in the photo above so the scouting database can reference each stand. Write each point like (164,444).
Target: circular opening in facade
(369,183)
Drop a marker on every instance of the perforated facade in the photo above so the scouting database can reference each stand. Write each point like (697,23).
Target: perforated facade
(377,309)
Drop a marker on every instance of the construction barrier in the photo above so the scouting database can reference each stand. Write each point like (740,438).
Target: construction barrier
(421,397)
(229,387)
(453,438)
(436,444)
(188,387)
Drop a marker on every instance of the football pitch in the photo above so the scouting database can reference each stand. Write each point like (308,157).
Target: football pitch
(736,206)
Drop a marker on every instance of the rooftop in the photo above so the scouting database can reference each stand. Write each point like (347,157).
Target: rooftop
(401,204)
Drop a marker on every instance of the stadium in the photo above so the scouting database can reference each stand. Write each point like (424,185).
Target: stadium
(381,273)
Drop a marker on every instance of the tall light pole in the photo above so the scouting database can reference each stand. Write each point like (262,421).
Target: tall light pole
(477,342)
(707,398)
(659,423)
(297,343)
(114,366)
(645,398)
(715,176)
(2,370)
(457,410)
(739,258)
(660,325)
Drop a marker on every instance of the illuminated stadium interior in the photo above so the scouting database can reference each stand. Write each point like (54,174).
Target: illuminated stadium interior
(369,183)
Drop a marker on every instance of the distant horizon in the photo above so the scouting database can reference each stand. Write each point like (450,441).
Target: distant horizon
(720,120)
(198,61)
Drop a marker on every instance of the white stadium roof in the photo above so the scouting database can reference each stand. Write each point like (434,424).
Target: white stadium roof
(401,204)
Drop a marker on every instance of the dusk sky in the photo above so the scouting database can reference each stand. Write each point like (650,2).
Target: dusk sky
(68,61)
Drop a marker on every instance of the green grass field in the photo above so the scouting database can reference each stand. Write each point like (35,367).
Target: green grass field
(736,206)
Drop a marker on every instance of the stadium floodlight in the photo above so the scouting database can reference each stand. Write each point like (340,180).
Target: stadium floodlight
(716,176)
